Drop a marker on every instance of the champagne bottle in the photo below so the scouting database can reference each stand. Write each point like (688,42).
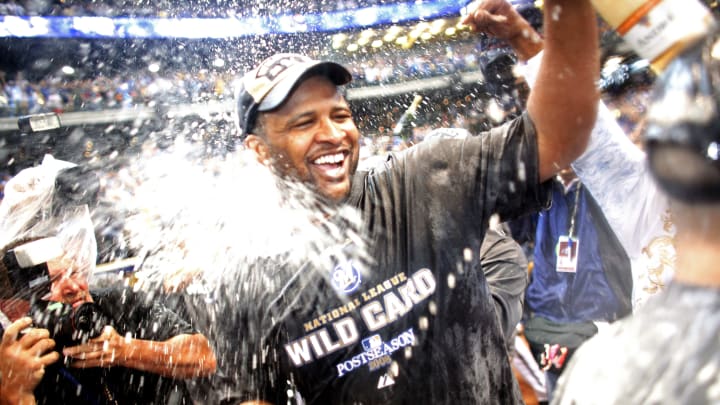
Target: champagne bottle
(404,126)
(657,30)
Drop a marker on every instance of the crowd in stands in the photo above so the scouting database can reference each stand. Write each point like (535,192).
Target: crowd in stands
(20,96)
(62,93)
(174,9)
(396,66)
(474,112)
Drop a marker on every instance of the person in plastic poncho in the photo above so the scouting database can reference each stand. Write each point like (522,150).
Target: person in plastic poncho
(667,351)
(137,352)
(418,326)
(612,168)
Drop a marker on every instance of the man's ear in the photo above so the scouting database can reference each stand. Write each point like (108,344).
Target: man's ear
(258,145)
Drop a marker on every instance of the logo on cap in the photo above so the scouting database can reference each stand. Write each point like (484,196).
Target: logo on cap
(267,75)
(274,66)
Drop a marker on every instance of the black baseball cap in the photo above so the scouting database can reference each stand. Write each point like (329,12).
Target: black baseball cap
(268,85)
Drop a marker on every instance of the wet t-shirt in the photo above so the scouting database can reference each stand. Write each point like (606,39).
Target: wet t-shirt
(416,323)
(667,352)
(140,316)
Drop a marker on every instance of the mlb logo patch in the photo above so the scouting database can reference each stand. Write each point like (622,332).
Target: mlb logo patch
(371,342)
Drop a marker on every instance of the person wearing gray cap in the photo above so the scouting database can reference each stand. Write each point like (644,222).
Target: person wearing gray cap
(420,325)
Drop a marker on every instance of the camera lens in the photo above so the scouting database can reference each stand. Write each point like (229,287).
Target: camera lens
(69,326)
(88,321)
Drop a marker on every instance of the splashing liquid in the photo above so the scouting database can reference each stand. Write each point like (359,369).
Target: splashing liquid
(241,241)
(190,216)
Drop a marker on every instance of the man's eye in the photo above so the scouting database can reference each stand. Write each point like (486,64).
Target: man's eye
(79,273)
(301,124)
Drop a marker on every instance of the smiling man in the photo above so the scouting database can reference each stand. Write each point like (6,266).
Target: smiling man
(417,324)
(311,135)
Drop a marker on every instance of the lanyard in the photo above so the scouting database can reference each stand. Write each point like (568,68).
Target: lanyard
(573,213)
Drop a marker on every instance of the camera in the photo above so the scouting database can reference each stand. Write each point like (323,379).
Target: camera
(27,271)
(68,326)
(26,267)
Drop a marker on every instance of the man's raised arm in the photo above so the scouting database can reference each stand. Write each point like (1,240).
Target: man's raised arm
(563,103)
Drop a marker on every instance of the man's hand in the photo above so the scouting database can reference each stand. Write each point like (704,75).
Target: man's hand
(499,19)
(494,17)
(22,361)
(107,350)
(181,356)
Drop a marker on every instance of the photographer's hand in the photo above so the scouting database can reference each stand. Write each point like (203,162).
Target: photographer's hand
(22,361)
(106,350)
(182,356)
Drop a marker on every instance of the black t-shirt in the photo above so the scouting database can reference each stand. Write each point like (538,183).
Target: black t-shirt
(416,323)
(142,317)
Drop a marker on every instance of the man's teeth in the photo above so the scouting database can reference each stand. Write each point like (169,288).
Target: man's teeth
(330,159)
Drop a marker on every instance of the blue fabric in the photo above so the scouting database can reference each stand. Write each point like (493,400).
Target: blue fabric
(570,297)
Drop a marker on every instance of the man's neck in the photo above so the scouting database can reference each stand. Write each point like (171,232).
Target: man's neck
(698,268)
(698,257)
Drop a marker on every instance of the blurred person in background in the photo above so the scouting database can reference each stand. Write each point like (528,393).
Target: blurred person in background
(667,350)
(581,277)
(612,169)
